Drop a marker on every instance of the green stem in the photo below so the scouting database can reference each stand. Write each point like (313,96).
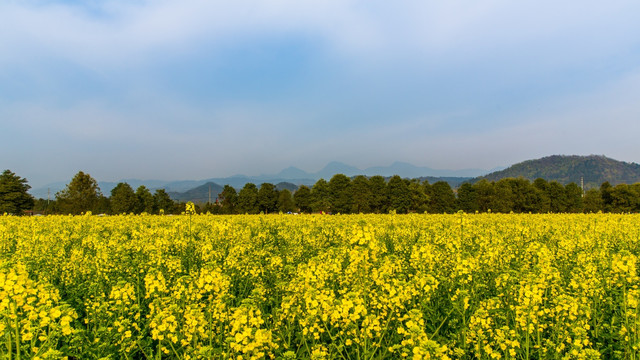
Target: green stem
(174,349)
(9,343)
(386,327)
(142,350)
(15,313)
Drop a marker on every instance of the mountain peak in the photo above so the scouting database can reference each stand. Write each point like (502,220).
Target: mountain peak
(592,169)
(292,172)
(336,167)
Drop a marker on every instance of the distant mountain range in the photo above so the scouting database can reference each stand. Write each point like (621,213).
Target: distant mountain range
(291,175)
(209,192)
(592,169)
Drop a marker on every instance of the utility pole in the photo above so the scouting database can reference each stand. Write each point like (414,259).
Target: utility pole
(582,184)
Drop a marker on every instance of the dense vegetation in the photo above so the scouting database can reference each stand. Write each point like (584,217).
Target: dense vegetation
(463,286)
(593,170)
(340,194)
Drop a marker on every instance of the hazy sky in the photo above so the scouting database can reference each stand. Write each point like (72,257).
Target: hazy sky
(192,89)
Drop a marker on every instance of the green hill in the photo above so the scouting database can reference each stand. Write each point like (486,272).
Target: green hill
(594,169)
(200,194)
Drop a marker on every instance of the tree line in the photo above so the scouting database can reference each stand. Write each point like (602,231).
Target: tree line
(340,194)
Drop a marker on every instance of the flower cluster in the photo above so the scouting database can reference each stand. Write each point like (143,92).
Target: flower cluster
(417,286)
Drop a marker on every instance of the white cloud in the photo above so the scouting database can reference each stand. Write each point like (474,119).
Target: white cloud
(122,38)
(136,32)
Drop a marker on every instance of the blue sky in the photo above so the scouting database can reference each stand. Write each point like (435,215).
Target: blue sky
(195,89)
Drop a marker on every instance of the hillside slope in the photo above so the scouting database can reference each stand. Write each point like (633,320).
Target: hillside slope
(595,169)
(200,194)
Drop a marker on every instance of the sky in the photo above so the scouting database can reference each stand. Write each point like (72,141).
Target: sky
(195,89)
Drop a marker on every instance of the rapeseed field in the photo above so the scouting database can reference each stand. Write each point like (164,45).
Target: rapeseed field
(418,286)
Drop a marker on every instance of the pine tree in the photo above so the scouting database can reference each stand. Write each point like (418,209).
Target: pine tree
(81,195)
(14,198)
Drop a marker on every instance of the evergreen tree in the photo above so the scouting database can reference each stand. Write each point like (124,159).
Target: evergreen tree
(123,199)
(426,188)
(81,195)
(467,200)
(623,199)
(635,189)
(379,200)
(485,193)
(44,206)
(573,196)
(211,208)
(503,199)
(144,200)
(302,198)
(285,201)
(398,195)
(14,196)
(103,206)
(419,200)
(558,197)
(320,196)
(361,195)
(229,198)
(592,201)
(248,199)
(543,204)
(524,195)
(163,202)
(605,193)
(443,200)
(340,194)
(267,198)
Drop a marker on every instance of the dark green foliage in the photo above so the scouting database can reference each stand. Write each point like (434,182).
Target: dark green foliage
(419,199)
(592,202)
(443,200)
(358,195)
(398,195)
(81,195)
(302,199)
(378,189)
(163,202)
(624,198)
(503,199)
(542,189)
(267,198)
(248,199)
(285,201)
(361,192)
(212,208)
(229,199)
(467,198)
(574,198)
(484,194)
(320,196)
(517,195)
(286,185)
(606,191)
(557,197)
(14,198)
(123,199)
(44,206)
(340,195)
(144,200)
(103,206)
(594,169)
(204,193)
